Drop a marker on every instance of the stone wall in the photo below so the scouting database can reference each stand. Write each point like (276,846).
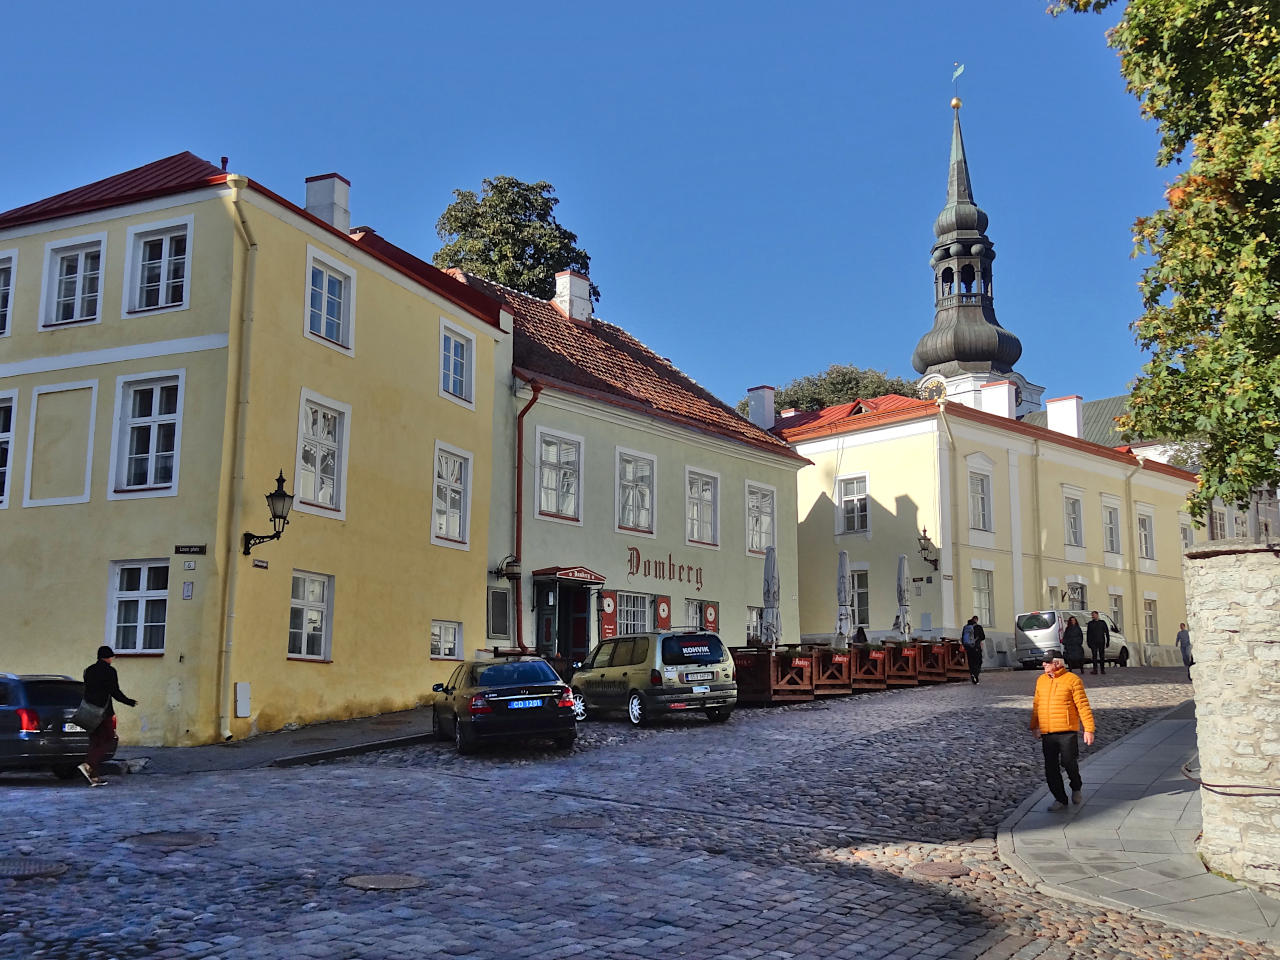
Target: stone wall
(1233,613)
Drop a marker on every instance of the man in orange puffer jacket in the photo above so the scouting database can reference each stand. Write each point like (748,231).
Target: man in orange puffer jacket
(1059,708)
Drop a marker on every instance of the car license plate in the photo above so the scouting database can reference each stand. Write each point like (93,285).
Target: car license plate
(522,704)
(700,675)
(72,728)
(701,689)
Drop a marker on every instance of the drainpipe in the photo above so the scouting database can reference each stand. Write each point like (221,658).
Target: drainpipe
(1129,511)
(239,430)
(519,528)
(953,535)
(1035,524)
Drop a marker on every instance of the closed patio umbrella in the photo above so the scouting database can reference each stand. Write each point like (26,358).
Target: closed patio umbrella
(844,608)
(770,625)
(903,621)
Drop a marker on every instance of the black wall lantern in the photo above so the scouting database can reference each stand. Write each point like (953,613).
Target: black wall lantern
(279,503)
(927,550)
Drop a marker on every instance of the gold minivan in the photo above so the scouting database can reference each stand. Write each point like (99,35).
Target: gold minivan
(648,674)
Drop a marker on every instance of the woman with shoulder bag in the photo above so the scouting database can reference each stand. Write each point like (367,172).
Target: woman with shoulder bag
(1073,645)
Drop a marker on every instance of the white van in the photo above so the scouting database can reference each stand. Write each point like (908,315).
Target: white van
(1038,634)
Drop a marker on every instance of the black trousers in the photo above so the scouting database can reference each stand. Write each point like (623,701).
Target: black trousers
(1099,664)
(1061,750)
(974,654)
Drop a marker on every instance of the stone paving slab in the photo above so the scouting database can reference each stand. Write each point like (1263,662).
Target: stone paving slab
(1132,845)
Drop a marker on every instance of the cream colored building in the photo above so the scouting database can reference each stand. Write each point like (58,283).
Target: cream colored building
(170,339)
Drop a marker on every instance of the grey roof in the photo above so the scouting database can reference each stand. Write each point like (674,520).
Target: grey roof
(1099,419)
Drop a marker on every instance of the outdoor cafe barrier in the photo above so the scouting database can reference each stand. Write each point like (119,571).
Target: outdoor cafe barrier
(957,662)
(832,671)
(773,676)
(902,664)
(866,667)
(933,663)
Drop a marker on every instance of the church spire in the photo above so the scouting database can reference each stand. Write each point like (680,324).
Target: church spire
(966,337)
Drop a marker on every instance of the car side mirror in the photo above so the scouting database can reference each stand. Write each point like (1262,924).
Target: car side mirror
(437,688)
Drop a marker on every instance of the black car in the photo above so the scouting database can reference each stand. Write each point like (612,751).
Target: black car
(508,698)
(36,732)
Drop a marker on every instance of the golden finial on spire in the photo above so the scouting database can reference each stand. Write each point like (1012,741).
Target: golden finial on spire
(956,103)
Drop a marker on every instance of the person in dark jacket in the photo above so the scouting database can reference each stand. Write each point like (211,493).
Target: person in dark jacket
(101,686)
(1098,636)
(972,638)
(1073,645)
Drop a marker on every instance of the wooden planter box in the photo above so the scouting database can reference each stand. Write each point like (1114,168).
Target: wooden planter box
(776,676)
(902,664)
(933,663)
(957,662)
(832,671)
(866,667)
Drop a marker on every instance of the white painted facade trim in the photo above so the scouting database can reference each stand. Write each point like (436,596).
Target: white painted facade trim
(92,387)
(92,358)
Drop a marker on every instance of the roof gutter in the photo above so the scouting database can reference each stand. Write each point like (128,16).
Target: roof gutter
(240,419)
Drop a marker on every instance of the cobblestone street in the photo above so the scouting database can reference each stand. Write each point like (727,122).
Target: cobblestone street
(788,832)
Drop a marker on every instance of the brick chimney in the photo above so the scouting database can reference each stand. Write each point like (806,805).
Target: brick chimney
(329,199)
(760,407)
(573,294)
(1066,415)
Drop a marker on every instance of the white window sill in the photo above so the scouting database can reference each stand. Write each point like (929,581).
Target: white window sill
(1114,561)
(1147,566)
(982,538)
(1075,554)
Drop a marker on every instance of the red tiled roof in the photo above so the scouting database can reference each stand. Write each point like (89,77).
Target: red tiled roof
(849,416)
(182,171)
(602,361)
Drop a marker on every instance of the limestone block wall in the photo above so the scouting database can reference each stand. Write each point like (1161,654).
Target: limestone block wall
(1233,613)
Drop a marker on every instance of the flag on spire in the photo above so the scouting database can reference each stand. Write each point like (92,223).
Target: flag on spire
(959,70)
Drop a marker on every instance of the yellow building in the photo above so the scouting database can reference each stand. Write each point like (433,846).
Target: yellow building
(170,339)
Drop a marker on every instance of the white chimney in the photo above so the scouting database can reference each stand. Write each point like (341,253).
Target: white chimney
(998,397)
(1066,415)
(760,407)
(573,294)
(329,199)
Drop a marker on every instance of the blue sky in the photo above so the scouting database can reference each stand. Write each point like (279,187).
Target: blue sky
(756,184)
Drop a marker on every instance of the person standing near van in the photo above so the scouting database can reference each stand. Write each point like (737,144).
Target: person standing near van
(1098,636)
(972,638)
(1184,647)
(101,686)
(1058,710)
(1073,645)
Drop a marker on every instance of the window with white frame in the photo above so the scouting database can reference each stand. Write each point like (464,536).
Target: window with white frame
(979,501)
(635,491)
(147,454)
(311,615)
(760,506)
(1110,528)
(701,491)
(157,266)
(755,620)
(1073,521)
(1217,524)
(1146,536)
(693,610)
(853,505)
(6,441)
(860,597)
(73,282)
(139,602)
(322,453)
(1241,524)
(559,476)
(457,363)
(1188,536)
(450,523)
(1077,596)
(633,613)
(331,297)
(1149,624)
(983,591)
(7,260)
(1117,610)
(499,613)
(446,639)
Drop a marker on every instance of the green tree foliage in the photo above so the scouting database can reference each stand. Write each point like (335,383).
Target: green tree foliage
(839,384)
(509,234)
(1208,73)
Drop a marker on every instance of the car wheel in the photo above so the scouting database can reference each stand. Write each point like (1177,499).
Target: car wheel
(464,741)
(565,741)
(437,730)
(636,711)
(65,771)
(1123,659)
(579,706)
(719,714)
